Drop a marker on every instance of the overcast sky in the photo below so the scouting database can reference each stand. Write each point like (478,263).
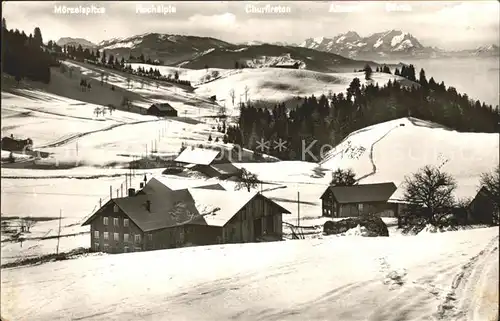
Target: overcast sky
(450,25)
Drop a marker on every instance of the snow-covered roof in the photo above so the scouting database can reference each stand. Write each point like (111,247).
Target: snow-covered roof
(223,204)
(199,156)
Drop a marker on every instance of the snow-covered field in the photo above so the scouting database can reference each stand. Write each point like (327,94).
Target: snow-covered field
(278,85)
(446,276)
(389,151)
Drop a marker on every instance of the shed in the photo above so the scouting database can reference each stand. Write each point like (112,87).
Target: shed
(356,200)
(162,110)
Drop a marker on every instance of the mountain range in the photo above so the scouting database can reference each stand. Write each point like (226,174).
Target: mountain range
(199,52)
(392,44)
(320,54)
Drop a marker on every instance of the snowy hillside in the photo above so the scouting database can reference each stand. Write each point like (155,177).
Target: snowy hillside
(391,150)
(448,276)
(271,85)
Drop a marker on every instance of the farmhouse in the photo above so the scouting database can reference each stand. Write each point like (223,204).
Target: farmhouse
(212,163)
(166,218)
(357,200)
(483,209)
(162,110)
(288,65)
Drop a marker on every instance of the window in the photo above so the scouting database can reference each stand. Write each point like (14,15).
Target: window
(106,247)
(96,234)
(106,235)
(360,207)
(125,237)
(125,222)
(181,236)
(115,221)
(125,249)
(137,237)
(150,237)
(96,246)
(105,220)
(116,236)
(115,208)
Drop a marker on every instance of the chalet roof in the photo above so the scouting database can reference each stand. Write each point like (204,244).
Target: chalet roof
(225,168)
(162,185)
(163,106)
(199,156)
(362,193)
(199,206)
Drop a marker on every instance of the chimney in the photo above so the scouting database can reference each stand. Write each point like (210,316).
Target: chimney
(148,205)
(131,192)
(141,185)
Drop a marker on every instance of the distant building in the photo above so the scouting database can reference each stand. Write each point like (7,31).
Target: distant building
(357,200)
(16,145)
(211,163)
(288,65)
(483,209)
(161,218)
(162,110)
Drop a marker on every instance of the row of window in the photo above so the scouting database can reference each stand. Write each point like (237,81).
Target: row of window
(116,221)
(116,236)
(125,248)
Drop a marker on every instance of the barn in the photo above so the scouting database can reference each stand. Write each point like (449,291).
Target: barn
(162,110)
(210,162)
(483,209)
(357,200)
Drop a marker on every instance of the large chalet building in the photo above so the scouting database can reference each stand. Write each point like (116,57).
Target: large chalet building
(160,217)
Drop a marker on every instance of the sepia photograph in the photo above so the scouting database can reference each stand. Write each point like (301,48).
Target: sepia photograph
(250,160)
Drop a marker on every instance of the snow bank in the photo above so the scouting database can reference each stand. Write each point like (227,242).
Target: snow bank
(317,279)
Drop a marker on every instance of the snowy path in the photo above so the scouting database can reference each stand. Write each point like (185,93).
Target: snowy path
(65,140)
(337,278)
(374,167)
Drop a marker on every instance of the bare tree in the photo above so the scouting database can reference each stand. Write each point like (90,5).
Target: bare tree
(247,180)
(491,180)
(429,195)
(232,94)
(342,177)
(28,224)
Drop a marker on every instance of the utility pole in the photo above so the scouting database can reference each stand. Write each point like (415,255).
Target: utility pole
(59,232)
(298,208)
(121,189)
(110,192)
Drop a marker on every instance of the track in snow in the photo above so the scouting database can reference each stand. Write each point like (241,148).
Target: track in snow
(76,136)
